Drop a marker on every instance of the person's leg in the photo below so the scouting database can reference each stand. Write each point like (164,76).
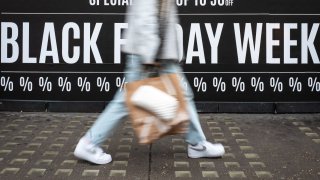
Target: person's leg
(116,109)
(198,146)
(88,146)
(112,115)
(195,133)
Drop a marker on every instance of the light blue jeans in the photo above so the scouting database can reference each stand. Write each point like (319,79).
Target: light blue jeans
(116,110)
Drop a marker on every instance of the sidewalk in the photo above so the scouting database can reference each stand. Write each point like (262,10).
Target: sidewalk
(258,146)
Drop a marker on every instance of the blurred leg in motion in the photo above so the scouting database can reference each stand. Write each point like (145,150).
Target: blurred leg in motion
(198,146)
(116,109)
(88,148)
(195,133)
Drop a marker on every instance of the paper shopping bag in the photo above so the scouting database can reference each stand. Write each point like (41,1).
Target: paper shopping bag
(157,107)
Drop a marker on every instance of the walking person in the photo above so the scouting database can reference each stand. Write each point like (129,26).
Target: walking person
(151,36)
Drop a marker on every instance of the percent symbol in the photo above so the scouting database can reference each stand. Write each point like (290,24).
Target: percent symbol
(257,84)
(238,84)
(6,83)
(219,84)
(200,84)
(103,84)
(84,84)
(314,84)
(121,82)
(295,84)
(276,84)
(26,84)
(45,84)
(64,84)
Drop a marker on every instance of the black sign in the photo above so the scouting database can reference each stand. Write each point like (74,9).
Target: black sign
(234,50)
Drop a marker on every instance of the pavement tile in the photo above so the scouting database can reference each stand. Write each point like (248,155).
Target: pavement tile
(232,165)
(263,174)
(63,172)
(206,165)
(257,165)
(118,173)
(11,171)
(210,174)
(183,174)
(237,174)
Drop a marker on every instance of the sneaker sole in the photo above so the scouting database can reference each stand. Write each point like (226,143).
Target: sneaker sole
(80,156)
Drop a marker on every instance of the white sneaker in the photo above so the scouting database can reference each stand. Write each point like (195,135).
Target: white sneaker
(90,152)
(205,149)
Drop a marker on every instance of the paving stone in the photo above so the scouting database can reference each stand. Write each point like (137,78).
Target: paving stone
(25,132)
(10,171)
(210,174)
(89,172)
(17,161)
(235,129)
(126,140)
(178,140)
(237,134)
(218,134)
(34,145)
(118,173)
(26,153)
(182,174)
(229,123)
(251,156)
(237,174)
(4,152)
(62,139)
(44,162)
(305,129)
(69,163)
(180,155)
(316,141)
(257,164)
(229,155)
(40,138)
(120,163)
(50,153)
(242,141)
(246,148)
(206,164)
(10,145)
(212,123)
(263,174)
(178,148)
(312,135)
(18,138)
(232,165)
(36,172)
(298,123)
(46,132)
(222,141)
(122,155)
(215,129)
(183,164)
(63,172)
(12,125)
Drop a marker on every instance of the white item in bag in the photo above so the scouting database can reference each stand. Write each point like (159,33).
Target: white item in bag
(156,101)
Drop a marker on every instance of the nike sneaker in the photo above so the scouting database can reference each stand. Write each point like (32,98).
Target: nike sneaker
(87,151)
(205,149)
